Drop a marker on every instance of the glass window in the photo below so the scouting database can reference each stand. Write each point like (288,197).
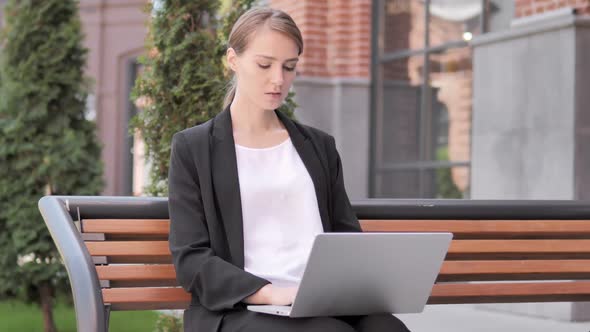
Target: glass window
(399,120)
(403,25)
(422,109)
(451,78)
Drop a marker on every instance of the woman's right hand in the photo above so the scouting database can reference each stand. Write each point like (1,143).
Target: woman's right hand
(270,294)
(283,295)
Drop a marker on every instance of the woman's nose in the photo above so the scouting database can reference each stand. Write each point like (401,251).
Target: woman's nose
(277,76)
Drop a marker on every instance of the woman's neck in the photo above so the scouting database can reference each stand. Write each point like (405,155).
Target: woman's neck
(249,119)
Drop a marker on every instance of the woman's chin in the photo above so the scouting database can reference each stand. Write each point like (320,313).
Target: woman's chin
(272,105)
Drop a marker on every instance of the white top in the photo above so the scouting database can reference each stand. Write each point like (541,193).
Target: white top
(280,212)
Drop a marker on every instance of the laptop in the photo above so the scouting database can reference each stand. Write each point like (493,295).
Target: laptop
(366,273)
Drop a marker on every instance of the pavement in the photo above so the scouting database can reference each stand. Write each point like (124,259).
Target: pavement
(466,318)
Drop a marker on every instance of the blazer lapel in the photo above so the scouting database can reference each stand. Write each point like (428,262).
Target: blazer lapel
(226,184)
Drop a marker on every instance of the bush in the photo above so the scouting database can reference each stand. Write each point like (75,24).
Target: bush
(184,78)
(46,144)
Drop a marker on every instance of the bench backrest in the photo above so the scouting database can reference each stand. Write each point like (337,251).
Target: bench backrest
(494,251)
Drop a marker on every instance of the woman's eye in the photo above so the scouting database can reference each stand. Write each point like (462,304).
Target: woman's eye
(289,68)
(264,66)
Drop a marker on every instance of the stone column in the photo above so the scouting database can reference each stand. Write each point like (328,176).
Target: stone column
(531,120)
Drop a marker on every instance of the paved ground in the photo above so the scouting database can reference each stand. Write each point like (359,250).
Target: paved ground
(465,318)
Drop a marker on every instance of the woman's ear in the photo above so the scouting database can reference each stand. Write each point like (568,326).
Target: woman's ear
(232,59)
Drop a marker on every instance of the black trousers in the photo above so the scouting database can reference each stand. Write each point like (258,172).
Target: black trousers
(248,321)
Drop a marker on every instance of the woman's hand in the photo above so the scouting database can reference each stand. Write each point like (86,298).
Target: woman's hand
(270,294)
(283,295)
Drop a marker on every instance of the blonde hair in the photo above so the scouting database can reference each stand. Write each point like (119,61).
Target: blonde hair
(251,21)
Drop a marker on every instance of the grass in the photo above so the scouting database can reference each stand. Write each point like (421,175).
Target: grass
(17,316)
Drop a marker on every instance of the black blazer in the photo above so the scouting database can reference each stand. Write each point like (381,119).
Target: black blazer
(206,235)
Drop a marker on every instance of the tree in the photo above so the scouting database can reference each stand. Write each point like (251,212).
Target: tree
(47,146)
(184,78)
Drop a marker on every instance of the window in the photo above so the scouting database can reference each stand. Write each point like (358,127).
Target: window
(422,95)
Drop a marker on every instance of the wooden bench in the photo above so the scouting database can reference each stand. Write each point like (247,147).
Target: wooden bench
(117,256)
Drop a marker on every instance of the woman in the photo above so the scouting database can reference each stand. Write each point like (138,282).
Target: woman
(250,189)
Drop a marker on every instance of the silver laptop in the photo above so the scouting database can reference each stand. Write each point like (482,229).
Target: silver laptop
(366,273)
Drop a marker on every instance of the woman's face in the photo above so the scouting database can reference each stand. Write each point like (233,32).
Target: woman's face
(266,69)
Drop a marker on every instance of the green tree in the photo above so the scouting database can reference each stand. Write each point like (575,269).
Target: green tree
(445,185)
(47,146)
(184,78)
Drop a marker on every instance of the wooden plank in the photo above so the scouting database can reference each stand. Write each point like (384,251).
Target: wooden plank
(450,271)
(140,259)
(460,228)
(142,283)
(140,275)
(127,251)
(126,226)
(177,298)
(146,298)
(454,293)
(519,249)
(128,248)
(514,270)
(136,272)
(475,229)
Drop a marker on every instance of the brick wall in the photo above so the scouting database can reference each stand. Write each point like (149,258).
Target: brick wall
(531,7)
(336,33)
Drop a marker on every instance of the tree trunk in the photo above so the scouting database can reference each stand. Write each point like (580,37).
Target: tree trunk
(45,293)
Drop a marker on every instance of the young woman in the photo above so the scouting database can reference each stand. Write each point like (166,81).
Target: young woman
(250,189)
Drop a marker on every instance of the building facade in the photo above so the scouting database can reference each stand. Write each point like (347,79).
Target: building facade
(115,35)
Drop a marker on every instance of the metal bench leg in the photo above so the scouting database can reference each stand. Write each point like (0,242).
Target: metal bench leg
(107,315)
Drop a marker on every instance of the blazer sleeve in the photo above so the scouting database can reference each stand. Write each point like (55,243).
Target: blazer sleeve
(217,283)
(344,218)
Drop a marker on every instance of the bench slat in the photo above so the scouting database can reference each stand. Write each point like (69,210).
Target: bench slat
(465,229)
(177,298)
(128,248)
(462,229)
(517,249)
(514,270)
(459,249)
(146,298)
(136,272)
(510,292)
(450,271)
(127,226)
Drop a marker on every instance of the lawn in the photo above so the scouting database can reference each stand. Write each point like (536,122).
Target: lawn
(17,316)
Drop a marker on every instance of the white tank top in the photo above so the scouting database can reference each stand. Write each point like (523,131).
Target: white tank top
(280,212)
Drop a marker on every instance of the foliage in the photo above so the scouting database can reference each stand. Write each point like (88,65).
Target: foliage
(169,323)
(184,78)
(46,144)
(445,185)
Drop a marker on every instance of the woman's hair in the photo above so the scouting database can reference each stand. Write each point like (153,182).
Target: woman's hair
(249,23)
